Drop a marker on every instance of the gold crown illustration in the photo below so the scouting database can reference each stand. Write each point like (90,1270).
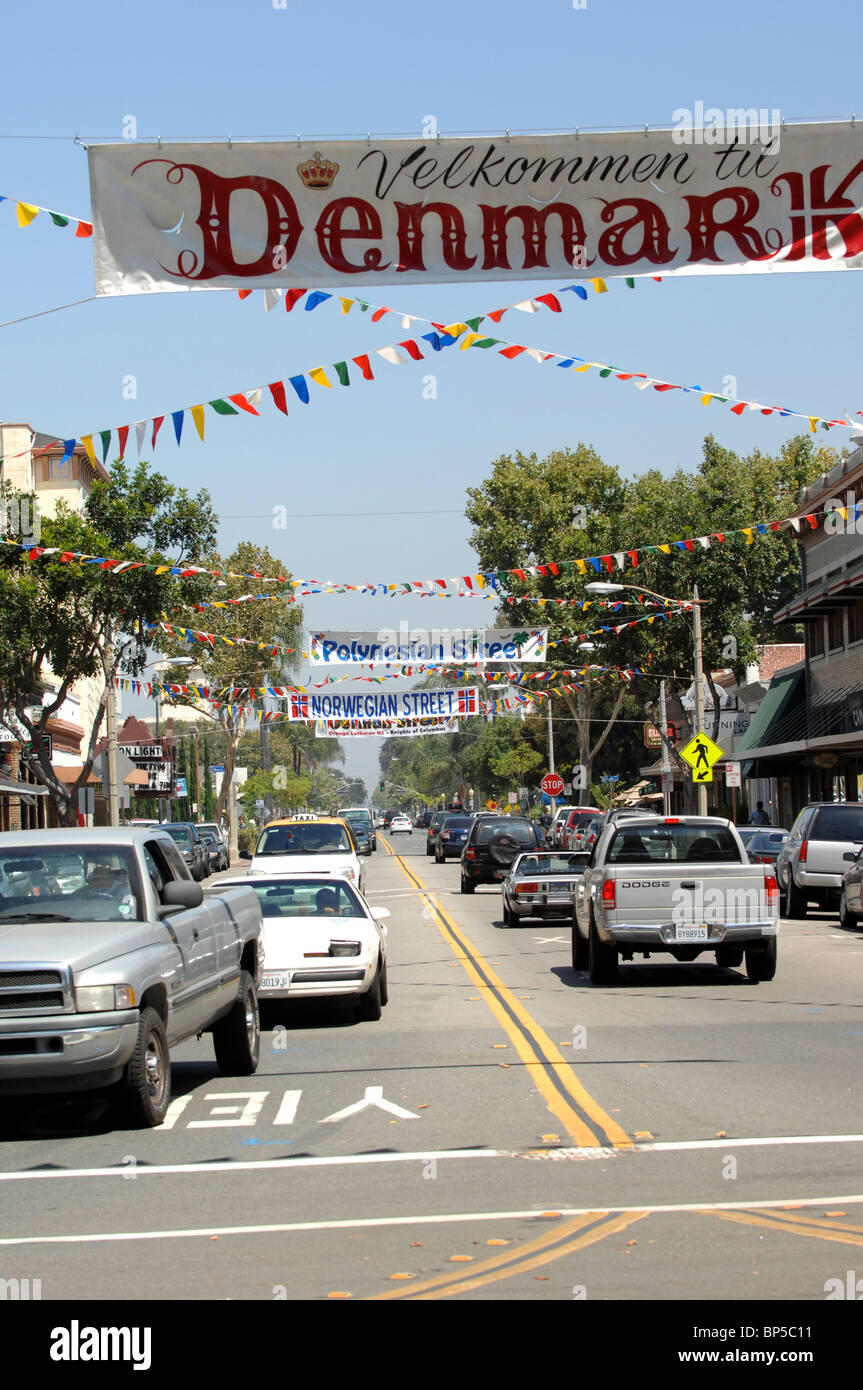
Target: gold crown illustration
(317,172)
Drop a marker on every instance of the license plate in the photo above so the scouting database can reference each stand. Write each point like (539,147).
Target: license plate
(557,888)
(275,980)
(692,933)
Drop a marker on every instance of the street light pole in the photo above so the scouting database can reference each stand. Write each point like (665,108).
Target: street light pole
(701,789)
(550,735)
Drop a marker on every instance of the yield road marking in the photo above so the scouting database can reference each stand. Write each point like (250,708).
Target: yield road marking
(373,1097)
(552,1245)
(583,1118)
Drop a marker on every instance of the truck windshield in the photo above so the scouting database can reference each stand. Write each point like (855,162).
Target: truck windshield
(98,883)
(669,843)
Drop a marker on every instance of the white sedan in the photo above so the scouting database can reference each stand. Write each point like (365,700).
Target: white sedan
(322,940)
(400,824)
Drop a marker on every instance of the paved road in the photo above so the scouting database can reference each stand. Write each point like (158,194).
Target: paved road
(506,1131)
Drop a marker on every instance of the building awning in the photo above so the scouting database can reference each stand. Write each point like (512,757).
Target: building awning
(69,773)
(778,721)
(27,790)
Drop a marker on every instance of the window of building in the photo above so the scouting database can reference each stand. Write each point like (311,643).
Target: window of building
(60,470)
(835,631)
(815,633)
(855,622)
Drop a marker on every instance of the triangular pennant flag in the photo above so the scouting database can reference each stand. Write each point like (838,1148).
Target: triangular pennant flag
(58,219)
(277,391)
(550,301)
(197,413)
(315,298)
(157,425)
(105,436)
(26,213)
(319,375)
(177,416)
(392,354)
(271,298)
(84,229)
(140,431)
(122,436)
(341,370)
(347,305)
(412,349)
(241,400)
(299,385)
(292,297)
(87,441)
(222,408)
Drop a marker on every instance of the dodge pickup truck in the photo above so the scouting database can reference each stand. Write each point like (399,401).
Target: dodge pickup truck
(109,955)
(682,885)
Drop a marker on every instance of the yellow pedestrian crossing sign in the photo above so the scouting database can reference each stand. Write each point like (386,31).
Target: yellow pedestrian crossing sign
(701,753)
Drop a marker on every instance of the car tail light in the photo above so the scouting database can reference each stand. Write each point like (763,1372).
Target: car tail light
(470,854)
(804,850)
(672,820)
(445,835)
(609,893)
(771,888)
(527,888)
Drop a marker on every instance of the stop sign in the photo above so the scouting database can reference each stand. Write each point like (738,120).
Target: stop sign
(552,784)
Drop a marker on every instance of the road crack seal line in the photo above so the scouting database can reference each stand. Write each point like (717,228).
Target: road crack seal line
(585,1120)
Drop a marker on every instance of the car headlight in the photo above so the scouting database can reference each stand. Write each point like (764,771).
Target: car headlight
(344,948)
(92,999)
(347,871)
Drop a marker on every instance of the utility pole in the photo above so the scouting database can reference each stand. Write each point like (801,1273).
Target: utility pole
(550,735)
(701,788)
(666,761)
(111,748)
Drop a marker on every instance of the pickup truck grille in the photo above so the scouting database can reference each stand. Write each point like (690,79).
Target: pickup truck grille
(25,991)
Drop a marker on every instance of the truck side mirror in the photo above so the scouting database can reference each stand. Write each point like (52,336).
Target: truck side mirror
(180,894)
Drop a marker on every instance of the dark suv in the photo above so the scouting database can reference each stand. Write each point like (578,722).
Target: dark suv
(492,845)
(434,825)
(451,836)
(191,846)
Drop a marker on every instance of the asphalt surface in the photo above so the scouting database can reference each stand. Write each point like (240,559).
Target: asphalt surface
(506,1132)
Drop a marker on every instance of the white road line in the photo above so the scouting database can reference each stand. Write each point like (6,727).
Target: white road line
(288,1108)
(286,1163)
(425,1219)
(681,1146)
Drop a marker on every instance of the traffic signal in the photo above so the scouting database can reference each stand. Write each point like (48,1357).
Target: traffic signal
(383,786)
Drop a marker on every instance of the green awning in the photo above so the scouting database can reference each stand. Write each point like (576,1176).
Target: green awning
(784,694)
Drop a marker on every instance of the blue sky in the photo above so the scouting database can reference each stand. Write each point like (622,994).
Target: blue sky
(253,70)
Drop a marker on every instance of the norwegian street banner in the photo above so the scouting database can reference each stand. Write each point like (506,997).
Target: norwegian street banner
(415,646)
(455,703)
(741,191)
(381,728)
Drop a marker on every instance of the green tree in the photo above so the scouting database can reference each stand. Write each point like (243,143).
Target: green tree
(75,621)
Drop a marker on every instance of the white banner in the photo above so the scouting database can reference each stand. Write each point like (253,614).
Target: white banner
(731,190)
(380,728)
(455,703)
(417,646)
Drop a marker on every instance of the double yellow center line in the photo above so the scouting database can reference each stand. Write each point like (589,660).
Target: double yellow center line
(584,1120)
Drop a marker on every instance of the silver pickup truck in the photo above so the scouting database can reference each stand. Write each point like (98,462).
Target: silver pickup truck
(682,885)
(109,955)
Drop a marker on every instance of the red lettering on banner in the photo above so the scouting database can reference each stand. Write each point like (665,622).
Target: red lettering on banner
(824,208)
(704,227)
(331,234)
(214,219)
(410,235)
(494,226)
(654,240)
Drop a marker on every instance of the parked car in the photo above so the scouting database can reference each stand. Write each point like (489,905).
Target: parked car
(541,884)
(319,845)
(557,824)
(322,940)
(191,846)
(678,884)
(492,844)
(101,977)
(451,836)
(217,847)
(763,847)
(401,825)
(585,835)
(851,893)
(360,817)
(434,825)
(811,864)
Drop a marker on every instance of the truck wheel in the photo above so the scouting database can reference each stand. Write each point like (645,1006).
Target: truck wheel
(580,949)
(847,919)
(729,956)
(761,963)
(237,1036)
(369,1007)
(602,959)
(146,1083)
(795,900)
